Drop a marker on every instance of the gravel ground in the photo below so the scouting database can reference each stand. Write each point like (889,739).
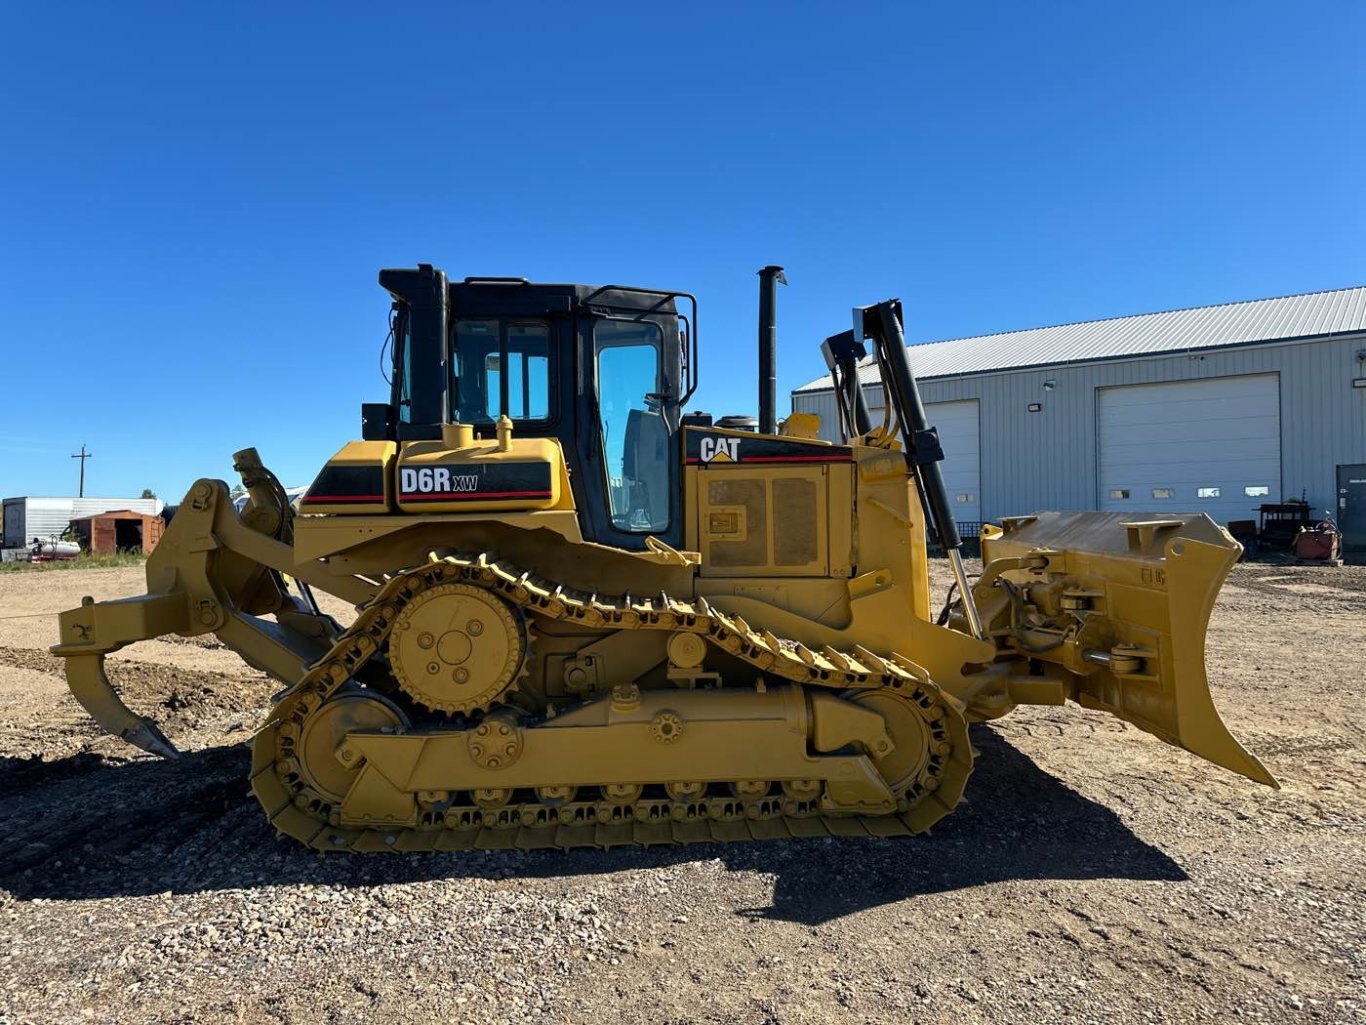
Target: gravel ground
(1094,874)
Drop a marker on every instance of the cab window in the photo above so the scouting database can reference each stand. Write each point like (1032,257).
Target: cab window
(402,398)
(635,435)
(480,378)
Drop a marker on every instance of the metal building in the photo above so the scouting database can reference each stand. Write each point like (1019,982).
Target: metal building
(1218,409)
(28,518)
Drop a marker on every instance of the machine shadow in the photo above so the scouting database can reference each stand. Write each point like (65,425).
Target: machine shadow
(84,827)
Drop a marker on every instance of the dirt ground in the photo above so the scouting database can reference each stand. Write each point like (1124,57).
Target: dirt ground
(1094,874)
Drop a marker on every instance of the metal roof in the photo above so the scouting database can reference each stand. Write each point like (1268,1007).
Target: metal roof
(1311,315)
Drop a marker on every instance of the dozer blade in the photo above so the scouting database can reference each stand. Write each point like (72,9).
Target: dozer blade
(1136,593)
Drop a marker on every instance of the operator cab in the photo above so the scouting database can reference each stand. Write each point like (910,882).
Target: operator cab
(605,371)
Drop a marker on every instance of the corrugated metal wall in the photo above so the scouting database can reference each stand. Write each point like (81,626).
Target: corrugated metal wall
(1048,460)
(27,518)
(822,403)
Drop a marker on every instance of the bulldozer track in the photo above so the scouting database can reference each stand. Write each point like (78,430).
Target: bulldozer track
(755,809)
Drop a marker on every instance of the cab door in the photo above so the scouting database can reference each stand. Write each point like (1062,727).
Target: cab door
(628,433)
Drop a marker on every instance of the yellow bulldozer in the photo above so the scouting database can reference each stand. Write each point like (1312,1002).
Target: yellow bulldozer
(585,617)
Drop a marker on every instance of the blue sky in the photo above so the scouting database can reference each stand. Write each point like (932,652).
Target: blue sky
(195,199)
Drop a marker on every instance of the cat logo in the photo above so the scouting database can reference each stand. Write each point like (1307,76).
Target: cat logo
(720,450)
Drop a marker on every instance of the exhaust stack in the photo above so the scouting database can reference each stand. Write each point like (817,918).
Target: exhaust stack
(769,280)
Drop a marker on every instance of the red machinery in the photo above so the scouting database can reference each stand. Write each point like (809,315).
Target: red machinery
(1319,543)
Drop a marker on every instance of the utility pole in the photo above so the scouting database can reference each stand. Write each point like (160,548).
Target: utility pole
(83,455)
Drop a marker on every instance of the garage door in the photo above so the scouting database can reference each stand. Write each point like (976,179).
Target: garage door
(959,433)
(1211,446)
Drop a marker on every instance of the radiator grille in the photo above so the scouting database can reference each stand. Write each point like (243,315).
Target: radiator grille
(794,518)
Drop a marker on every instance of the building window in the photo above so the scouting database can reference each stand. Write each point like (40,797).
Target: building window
(1164,493)
(1119,493)
(1206,492)
(1257,491)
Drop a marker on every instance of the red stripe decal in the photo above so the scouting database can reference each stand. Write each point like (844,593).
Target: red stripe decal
(456,496)
(341,498)
(796,459)
(772,459)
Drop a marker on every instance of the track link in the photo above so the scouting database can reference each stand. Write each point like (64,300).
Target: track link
(299,811)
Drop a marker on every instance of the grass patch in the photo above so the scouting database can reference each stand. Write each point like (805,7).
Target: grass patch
(80,562)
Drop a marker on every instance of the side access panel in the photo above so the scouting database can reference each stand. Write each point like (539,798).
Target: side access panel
(767,506)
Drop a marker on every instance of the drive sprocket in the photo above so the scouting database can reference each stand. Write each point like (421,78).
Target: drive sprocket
(458,648)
